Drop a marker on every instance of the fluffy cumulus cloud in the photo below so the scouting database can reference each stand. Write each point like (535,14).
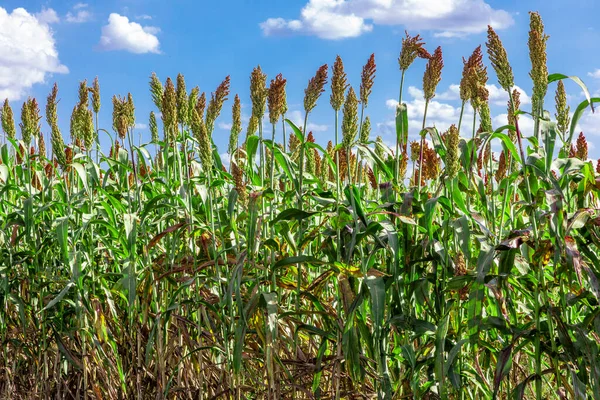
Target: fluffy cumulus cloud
(297,118)
(47,16)
(28,51)
(497,95)
(339,19)
(439,114)
(595,73)
(122,34)
(79,15)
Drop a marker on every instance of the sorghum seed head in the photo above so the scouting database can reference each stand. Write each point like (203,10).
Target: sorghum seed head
(452,156)
(258,92)
(502,167)
(204,141)
(192,101)
(339,83)
(120,118)
(169,110)
(216,104)
(201,105)
(415,150)
(8,120)
(130,111)
(27,122)
(89,132)
(314,89)
(276,97)
(236,125)
(365,130)
(537,54)
(58,144)
(372,179)
(367,80)
(96,95)
(379,147)
(512,118)
(485,118)
(499,60)
(253,127)
(153,127)
(581,149)
(572,152)
(412,47)
(84,100)
(157,91)
(350,119)
(182,100)
(433,74)
(42,147)
(562,109)
(403,165)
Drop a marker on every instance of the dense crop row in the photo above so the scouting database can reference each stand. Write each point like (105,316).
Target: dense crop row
(454,267)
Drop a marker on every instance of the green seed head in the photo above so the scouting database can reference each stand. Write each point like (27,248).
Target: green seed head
(236,125)
(89,132)
(452,156)
(169,111)
(192,102)
(96,96)
(157,91)
(8,120)
(182,101)
(258,92)
(58,144)
(201,105)
(380,148)
(537,54)
(365,131)
(216,104)
(562,109)
(204,142)
(499,60)
(153,127)
(84,100)
(350,119)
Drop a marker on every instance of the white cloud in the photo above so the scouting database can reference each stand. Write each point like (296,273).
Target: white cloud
(339,19)
(225,125)
(47,16)
(28,51)
(121,34)
(595,73)
(499,96)
(140,126)
(79,6)
(143,16)
(79,17)
(225,159)
(297,118)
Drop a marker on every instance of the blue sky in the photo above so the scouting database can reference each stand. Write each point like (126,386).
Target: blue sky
(124,41)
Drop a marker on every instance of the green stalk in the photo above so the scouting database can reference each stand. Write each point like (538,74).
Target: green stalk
(401,136)
(300,207)
(422,144)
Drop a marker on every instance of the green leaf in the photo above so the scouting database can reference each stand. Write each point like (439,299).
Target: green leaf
(296,130)
(58,298)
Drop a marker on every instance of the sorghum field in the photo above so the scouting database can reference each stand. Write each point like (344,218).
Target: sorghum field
(454,267)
